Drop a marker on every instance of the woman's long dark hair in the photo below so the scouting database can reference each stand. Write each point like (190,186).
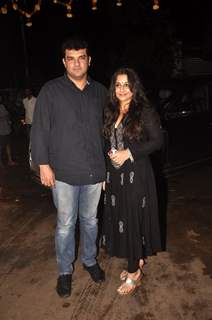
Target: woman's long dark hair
(133,122)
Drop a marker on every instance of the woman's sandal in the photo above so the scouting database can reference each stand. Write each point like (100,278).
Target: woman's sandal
(129,285)
(124,273)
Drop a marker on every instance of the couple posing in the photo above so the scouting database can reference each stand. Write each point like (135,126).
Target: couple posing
(67,139)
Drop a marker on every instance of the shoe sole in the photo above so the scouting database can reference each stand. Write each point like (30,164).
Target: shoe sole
(63,295)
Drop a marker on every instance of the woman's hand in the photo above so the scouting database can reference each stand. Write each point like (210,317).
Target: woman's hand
(119,157)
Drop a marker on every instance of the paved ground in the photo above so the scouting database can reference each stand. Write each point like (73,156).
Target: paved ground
(177,283)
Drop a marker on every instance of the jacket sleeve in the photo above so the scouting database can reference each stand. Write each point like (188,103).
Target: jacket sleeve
(40,132)
(153,137)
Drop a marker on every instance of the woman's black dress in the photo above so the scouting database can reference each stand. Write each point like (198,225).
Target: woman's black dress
(131,226)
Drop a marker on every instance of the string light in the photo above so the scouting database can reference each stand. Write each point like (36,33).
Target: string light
(37,7)
(15,6)
(94,4)
(29,23)
(4,9)
(18,6)
(119,3)
(156,5)
(66,4)
(69,13)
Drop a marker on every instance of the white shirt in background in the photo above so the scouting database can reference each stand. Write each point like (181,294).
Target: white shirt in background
(29,106)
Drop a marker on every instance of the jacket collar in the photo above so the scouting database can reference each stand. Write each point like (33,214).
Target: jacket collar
(89,80)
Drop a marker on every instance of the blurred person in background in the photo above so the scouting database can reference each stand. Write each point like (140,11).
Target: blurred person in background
(5,138)
(29,106)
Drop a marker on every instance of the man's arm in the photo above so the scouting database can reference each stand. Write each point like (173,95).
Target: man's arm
(40,137)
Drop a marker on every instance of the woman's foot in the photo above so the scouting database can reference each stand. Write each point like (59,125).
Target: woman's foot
(132,281)
(124,273)
(142,262)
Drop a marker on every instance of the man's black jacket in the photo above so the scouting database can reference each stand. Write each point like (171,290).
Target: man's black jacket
(67,130)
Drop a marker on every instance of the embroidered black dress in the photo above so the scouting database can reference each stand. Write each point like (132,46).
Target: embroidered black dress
(131,226)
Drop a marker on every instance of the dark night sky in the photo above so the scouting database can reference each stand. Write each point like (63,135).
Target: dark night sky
(109,30)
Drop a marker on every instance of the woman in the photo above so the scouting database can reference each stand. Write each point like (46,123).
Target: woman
(132,131)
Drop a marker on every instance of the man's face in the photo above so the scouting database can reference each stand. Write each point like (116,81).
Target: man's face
(76,63)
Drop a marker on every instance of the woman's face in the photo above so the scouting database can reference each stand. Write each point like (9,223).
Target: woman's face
(122,90)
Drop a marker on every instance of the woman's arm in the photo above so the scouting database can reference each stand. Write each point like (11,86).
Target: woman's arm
(153,136)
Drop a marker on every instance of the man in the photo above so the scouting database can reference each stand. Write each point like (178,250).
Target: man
(29,106)
(67,146)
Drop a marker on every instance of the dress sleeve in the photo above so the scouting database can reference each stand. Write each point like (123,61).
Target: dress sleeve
(40,131)
(153,136)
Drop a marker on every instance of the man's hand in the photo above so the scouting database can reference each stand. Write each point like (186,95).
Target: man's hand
(120,156)
(47,176)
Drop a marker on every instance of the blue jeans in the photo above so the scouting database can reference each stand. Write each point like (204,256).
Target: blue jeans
(71,201)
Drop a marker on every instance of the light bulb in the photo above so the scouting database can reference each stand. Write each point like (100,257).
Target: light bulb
(15,6)
(94,4)
(29,23)
(37,7)
(156,5)
(69,14)
(4,10)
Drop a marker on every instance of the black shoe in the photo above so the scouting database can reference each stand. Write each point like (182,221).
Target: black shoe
(96,273)
(64,285)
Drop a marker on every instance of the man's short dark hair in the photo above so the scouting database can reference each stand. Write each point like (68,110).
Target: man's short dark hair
(74,44)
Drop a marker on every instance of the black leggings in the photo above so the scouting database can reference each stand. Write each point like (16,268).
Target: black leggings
(133,265)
